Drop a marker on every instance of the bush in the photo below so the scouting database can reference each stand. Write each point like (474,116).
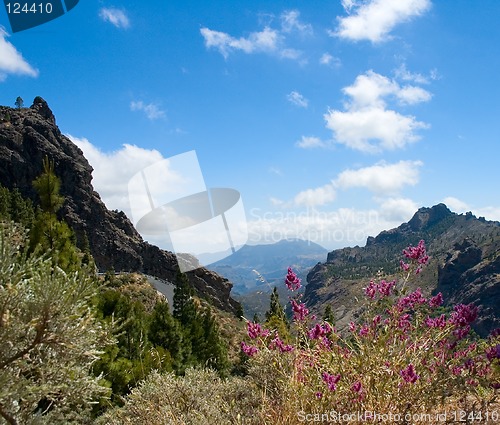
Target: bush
(403,356)
(49,337)
(200,397)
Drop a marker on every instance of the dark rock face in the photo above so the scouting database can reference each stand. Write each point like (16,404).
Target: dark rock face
(464,265)
(26,138)
(468,276)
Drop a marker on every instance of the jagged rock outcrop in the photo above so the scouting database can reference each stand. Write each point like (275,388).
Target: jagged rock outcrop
(467,276)
(464,265)
(27,135)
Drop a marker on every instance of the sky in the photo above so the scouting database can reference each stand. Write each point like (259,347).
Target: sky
(334,120)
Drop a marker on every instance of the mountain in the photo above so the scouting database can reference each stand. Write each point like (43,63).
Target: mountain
(27,135)
(246,266)
(256,269)
(464,265)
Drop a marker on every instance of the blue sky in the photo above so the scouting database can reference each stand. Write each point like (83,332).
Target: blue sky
(334,119)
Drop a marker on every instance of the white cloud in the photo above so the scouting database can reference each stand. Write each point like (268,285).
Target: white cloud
(11,61)
(397,209)
(269,40)
(458,206)
(317,196)
(297,99)
(366,124)
(373,20)
(152,111)
(335,228)
(381,178)
(402,73)
(310,142)
(328,59)
(117,17)
(290,22)
(455,204)
(113,170)
(266,40)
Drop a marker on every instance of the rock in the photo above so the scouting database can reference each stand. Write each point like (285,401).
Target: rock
(29,136)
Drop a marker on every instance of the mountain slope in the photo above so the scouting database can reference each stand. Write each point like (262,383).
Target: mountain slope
(464,264)
(271,261)
(27,135)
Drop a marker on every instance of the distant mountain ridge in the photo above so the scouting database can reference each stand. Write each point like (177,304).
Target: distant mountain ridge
(464,265)
(27,135)
(247,265)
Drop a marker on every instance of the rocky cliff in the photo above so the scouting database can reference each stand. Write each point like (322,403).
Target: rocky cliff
(27,135)
(464,265)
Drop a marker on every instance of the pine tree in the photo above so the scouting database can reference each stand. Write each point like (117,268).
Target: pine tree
(184,306)
(48,232)
(19,102)
(164,331)
(276,318)
(328,315)
(214,350)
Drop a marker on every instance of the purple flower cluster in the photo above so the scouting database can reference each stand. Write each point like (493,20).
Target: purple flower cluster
(384,288)
(255,330)
(409,375)
(292,281)
(493,353)
(416,253)
(463,315)
(436,301)
(249,350)
(280,345)
(436,322)
(300,311)
(331,380)
(319,331)
(411,300)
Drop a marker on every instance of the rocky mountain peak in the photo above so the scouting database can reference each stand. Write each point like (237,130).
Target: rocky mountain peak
(426,217)
(42,108)
(30,134)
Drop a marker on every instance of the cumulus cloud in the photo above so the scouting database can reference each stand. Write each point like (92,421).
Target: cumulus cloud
(316,197)
(297,99)
(310,142)
(113,170)
(373,20)
(381,178)
(456,205)
(397,209)
(116,17)
(367,124)
(152,111)
(11,61)
(334,228)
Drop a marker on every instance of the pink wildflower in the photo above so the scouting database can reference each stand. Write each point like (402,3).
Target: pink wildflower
(357,387)
(300,311)
(255,330)
(319,331)
(436,301)
(371,290)
(249,350)
(278,343)
(437,322)
(385,288)
(331,380)
(292,281)
(409,375)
